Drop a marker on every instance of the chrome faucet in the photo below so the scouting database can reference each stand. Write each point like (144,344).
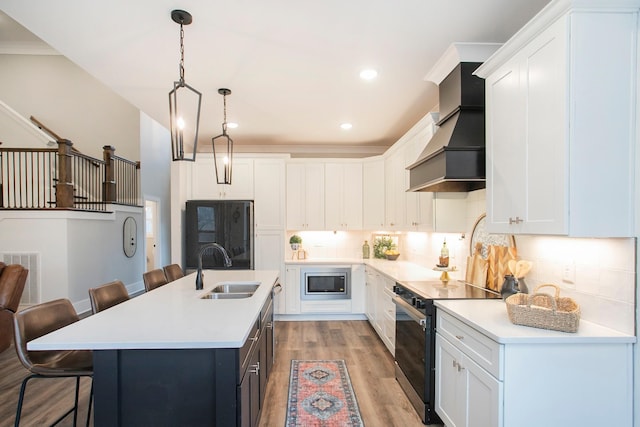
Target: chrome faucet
(203,249)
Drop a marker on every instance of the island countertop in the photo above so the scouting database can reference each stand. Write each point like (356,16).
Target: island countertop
(172,316)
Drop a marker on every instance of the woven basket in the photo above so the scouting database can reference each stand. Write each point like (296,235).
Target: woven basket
(540,310)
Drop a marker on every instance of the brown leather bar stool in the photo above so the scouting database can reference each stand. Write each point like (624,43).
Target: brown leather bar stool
(154,279)
(173,272)
(107,296)
(12,280)
(39,320)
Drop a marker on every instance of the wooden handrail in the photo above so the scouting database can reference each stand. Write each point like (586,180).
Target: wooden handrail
(45,129)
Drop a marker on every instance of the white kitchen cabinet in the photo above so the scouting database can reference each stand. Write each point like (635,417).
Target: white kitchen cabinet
(371,280)
(394,191)
(418,209)
(343,196)
(465,393)
(358,292)
(380,309)
(560,107)
(269,187)
(269,255)
(373,197)
(292,289)
(492,373)
(305,196)
(427,211)
(205,187)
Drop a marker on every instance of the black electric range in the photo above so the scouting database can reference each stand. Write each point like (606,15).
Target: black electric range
(415,337)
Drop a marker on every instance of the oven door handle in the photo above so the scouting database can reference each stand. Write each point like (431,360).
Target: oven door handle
(420,318)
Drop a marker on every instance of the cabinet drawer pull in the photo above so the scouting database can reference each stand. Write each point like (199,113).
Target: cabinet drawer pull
(460,337)
(255,369)
(516,220)
(255,338)
(269,325)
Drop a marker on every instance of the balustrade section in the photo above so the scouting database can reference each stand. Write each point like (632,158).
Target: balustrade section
(64,178)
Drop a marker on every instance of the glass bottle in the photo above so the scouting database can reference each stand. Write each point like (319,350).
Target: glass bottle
(444,255)
(366,250)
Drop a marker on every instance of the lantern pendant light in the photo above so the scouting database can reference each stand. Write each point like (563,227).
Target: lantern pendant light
(184,104)
(223,147)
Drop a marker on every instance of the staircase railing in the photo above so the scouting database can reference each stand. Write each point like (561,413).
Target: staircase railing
(66,179)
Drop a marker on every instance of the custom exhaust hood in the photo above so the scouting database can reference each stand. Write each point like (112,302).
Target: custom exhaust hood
(454,158)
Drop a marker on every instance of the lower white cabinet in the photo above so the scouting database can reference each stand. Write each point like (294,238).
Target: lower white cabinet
(292,289)
(465,393)
(292,293)
(380,309)
(529,378)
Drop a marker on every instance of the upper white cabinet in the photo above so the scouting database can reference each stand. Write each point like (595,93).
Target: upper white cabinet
(394,191)
(373,194)
(204,185)
(427,211)
(343,196)
(269,185)
(305,196)
(561,109)
(418,204)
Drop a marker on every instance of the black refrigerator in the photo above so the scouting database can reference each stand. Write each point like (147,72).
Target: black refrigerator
(228,223)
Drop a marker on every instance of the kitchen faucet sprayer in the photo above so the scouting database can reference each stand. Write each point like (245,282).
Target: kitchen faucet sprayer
(203,249)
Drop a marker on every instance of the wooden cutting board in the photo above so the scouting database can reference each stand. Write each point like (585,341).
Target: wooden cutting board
(476,273)
(479,271)
(498,261)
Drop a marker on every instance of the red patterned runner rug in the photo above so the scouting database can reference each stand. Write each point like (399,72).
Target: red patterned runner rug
(320,395)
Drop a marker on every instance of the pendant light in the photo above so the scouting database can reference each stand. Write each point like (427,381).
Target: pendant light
(184,104)
(223,147)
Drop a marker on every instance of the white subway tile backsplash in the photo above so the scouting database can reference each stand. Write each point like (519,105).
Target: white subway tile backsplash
(605,269)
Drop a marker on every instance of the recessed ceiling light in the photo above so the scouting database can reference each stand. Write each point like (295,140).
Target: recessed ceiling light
(232,125)
(346,126)
(368,74)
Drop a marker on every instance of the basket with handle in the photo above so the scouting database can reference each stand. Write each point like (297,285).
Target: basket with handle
(541,310)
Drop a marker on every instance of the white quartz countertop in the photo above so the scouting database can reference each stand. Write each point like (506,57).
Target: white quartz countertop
(170,317)
(490,317)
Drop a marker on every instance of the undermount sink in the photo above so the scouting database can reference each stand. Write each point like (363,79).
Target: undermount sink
(236,287)
(232,290)
(235,295)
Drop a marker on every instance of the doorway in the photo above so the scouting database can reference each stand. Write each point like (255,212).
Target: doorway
(151,231)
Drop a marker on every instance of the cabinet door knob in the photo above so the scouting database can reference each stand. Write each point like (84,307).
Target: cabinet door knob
(460,337)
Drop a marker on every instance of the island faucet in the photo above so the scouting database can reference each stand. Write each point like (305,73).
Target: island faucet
(203,249)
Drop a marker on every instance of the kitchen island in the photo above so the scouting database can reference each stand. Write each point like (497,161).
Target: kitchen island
(170,357)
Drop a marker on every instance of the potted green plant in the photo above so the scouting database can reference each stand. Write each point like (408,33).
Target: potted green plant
(295,242)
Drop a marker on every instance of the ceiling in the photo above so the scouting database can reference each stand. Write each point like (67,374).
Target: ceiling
(293,67)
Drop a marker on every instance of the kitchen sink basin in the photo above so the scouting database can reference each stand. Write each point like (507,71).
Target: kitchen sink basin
(235,295)
(236,287)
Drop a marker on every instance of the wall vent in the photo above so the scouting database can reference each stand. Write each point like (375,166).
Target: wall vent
(31,294)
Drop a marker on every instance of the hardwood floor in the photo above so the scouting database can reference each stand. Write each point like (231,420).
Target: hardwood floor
(371,368)
(45,399)
(382,403)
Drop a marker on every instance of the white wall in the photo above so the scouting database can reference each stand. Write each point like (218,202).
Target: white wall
(70,102)
(605,283)
(76,250)
(155,172)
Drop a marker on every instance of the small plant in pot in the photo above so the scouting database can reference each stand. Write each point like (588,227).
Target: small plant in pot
(295,242)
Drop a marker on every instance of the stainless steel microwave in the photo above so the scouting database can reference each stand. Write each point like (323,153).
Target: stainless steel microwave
(325,283)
